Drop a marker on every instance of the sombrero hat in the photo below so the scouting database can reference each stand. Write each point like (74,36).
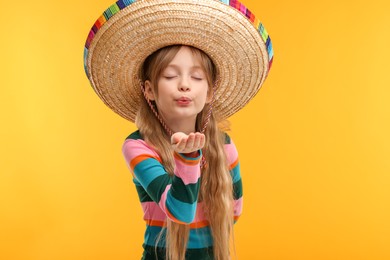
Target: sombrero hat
(129,31)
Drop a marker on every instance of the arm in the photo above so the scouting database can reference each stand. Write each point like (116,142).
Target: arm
(176,195)
(234,166)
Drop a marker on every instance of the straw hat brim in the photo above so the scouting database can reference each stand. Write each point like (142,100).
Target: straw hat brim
(116,51)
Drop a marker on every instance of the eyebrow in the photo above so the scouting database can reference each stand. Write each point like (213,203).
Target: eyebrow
(176,66)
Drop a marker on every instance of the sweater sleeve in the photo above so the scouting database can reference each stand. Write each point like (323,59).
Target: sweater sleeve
(234,166)
(176,195)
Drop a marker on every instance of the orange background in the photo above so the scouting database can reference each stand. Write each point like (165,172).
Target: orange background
(314,143)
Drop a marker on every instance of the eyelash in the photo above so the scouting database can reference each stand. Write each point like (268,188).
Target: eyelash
(172,77)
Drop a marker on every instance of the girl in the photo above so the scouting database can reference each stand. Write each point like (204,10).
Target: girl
(177,71)
(167,172)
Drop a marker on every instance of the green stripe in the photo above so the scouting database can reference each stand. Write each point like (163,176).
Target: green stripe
(135,135)
(191,254)
(237,189)
(227,139)
(142,194)
(157,187)
(184,193)
(114,9)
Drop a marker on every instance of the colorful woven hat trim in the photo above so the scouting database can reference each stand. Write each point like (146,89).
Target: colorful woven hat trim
(119,5)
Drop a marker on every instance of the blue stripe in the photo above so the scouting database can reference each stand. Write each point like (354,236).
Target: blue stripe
(184,212)
(225,2)
(200,238)
(120,4)
(136,182)
(107,14)
(152,167)
(128,2)
(182,155)
(261,28)
(151,235)
(236,173)
(270,50)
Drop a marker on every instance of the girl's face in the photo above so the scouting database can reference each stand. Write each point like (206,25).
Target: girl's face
(182,89)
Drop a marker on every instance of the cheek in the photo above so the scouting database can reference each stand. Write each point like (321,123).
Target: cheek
(203,97)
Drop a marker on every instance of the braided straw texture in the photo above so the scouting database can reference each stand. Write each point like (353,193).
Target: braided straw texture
(122,39)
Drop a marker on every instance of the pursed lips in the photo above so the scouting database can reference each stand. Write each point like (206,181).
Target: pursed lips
(184,99)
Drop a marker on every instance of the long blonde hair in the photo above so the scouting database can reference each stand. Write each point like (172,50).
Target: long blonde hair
(216,190)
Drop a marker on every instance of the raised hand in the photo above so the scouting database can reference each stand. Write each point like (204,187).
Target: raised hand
(183,143)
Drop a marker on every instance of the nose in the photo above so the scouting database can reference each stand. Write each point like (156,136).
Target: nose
(184,85)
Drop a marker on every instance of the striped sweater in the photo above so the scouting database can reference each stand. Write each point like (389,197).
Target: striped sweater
(175,197)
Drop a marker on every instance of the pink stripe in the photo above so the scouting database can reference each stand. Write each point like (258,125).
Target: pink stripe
(163,199)
(152,211)
(238,207)
(231,152)
(187,173)
(132,148)
(199,216)
(242,8)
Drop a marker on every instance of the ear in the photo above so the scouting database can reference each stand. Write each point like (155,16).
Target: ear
(149,90)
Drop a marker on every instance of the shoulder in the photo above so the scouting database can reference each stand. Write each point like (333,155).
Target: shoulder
(135,145)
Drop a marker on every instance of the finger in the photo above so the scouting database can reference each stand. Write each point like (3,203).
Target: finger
(190,142)
(175,139)
(181,144)
(202,141)
(197,141)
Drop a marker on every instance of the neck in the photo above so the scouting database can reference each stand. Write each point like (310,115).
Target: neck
(186,125)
